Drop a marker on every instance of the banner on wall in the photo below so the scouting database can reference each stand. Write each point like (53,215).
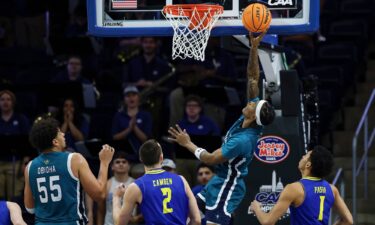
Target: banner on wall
(269,194)
(272,149)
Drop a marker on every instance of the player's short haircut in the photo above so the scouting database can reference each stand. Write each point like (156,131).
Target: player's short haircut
(42,133)
(267,114)
(149,152)
(322,161)
(120,155)
(204,165)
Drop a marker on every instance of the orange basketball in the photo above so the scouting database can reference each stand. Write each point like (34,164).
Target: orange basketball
(256,18)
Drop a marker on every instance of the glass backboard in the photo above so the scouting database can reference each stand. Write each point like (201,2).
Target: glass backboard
(144,17)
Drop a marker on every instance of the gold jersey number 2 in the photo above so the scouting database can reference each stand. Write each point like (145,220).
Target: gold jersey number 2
(167,193)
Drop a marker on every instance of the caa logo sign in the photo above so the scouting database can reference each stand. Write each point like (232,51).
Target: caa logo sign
(281,4)
(268,196)
(272,149)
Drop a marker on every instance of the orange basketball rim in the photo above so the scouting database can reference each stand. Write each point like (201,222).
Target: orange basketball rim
(200,14)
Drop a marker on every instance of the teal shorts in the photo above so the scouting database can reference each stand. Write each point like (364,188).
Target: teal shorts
(222,197)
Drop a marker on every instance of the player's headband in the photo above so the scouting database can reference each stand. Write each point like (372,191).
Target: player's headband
(257,111)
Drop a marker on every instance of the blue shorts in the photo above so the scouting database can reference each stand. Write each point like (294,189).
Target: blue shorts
(222,197)
(60,223)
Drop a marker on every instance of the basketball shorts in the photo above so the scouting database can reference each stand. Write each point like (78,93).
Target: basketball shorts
(222,197)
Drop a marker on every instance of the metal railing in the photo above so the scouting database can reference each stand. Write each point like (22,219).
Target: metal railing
(367,141)
(339,179)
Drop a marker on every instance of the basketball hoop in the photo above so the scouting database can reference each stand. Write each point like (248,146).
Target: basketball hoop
(192,24)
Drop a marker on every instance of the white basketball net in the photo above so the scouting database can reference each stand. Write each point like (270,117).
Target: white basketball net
(191,33)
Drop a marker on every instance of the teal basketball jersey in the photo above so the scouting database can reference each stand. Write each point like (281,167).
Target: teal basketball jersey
(58,196)
(238,147)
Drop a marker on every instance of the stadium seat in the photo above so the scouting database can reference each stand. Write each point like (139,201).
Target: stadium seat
(350,32)
(330,80)
(342,55)
(358,8)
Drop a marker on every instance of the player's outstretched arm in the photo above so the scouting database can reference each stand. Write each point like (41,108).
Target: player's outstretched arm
(194,215)
(287,196)
(182,138)
(253,67)
(339,205)
(131,195)
(15,213)
(95,188)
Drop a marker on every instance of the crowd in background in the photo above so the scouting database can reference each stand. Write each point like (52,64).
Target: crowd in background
(124,90)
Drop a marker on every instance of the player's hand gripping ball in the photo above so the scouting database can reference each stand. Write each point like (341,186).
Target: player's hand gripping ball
(256,18)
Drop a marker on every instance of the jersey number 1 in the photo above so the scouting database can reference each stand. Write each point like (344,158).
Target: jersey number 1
(167,193)
(321,208)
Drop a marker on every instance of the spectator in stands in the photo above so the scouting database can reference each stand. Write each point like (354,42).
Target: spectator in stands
(168,165)
(218,69)
(72,123)
(120,168)
(148,67)
(73,72)
(10,213)
(6,24)
(11,122)
(78,25)
(194,121)
(137,170)
(204,174)
(29,23)
(150,73)
(131,123)
(219,65)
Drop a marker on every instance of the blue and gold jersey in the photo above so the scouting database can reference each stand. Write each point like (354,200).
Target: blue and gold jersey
(315,209)
(164,200)
(56,191)
(4,214)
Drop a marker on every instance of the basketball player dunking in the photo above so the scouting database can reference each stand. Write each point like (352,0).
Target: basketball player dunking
(225,191)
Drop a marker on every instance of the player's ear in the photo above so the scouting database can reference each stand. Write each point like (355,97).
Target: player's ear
(161,158)
(55,142)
